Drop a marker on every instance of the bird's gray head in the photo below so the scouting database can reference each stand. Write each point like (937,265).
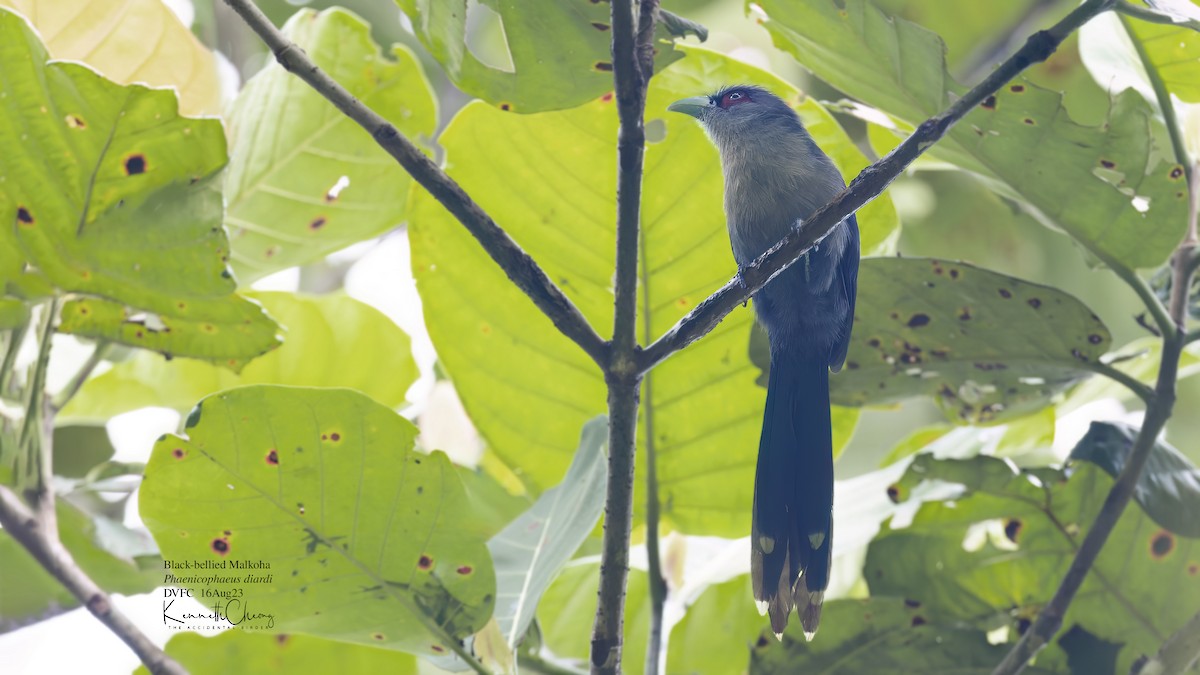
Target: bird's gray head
(740,115)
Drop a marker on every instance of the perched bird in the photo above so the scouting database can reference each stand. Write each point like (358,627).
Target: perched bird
(775,177)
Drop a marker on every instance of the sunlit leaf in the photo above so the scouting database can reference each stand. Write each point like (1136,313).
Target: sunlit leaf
(1111,187)
(129,41)
(568,611)
(331,341)
(366,540)
(1111,47)
(304,180)
(240,651)
(527,388)
(111,194)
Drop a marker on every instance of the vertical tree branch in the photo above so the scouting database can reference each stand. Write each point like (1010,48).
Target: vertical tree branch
(632,55)
(1158,411)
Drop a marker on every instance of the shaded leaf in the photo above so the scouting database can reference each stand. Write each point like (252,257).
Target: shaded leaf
(678,26)
(529,553)
(110,191)
(13,313)
(239,651)
(943,329)
(879,635)
(1088,654)
(1169,487)
(332,341)
(79,448)
(559,49)
(526,387)
(129,41)
(367,541)
(994,554)
(1110,186)
(304,180)
(38,595)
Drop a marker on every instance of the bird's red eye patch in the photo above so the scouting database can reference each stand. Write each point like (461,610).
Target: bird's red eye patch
(732,98)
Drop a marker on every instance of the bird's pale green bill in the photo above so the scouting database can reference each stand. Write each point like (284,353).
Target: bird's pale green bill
(693,106)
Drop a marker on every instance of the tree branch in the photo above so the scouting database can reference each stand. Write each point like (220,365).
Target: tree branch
(42,543)
(515,262)
(1158,411)
(633,63)
(1144,392)
(1177,655)
(64,397)
(865,187)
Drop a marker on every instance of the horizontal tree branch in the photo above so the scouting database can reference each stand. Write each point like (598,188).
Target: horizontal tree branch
(41,541)
(866,186)
(515,262)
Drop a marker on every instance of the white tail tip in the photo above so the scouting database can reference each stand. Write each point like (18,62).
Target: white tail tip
(762,606)
(779,637)
(809,635)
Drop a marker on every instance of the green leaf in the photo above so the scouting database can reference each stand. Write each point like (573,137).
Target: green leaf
(332,341)
(1109,186)
(996,553)
(1107,47)
(38,595)
(559,50)
(549,182)
(718,631)
(879,635)
(129,41)
(110,191)
(79,448)
(368,541)
(13,313)
(239,651)
(1140,360)
(304,179)
(1169,486)
(529,552)
(928,327)
(914,443)
(568,610)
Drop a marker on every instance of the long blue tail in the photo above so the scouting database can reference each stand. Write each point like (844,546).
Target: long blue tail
(792,535)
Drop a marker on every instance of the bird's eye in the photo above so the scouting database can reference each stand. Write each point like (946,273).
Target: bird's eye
(733,98)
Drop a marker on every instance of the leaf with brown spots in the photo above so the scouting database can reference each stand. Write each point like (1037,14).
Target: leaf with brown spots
(244,651)
(955,341)
(304,180)
(377,546)
(997,549)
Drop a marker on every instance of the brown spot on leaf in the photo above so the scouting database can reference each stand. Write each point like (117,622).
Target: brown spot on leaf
(1095,339)
(377,636)
(465,569)
(317,223)
(603,66)
(438,648)
(852,365)
(1193,569)
(220,546)
(918,320)
(1005,293)
(1034,303)
(506,107)
(873,342)
(281,639)
(912,603)
(1079,355)
(1012,529)
(76,122)
(893,493)
(762,641)
(24,217)
(1017,88)
(965,314)
(918,621)
(1161,544)
(1108,164)
(273,457)
(1029,121)
(335,437)
(989,103)
(600,26)
(953,273)
(135,164)
(178,453)
(424,563)
(1176,172)
(607,97)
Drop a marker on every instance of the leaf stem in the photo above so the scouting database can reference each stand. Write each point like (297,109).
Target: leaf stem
(34,462)
(520,267)
(633,64)
(1143,391)
(866,186)
(1143,13)
(15,337)
(40,538)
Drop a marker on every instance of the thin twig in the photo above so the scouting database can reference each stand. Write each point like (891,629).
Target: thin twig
(1144,13)
(68,392)
(515,262)
(1177,655)
(1158,411)
(42,543)
(865,187)
(633,62)
(1143,391)
(15,337)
